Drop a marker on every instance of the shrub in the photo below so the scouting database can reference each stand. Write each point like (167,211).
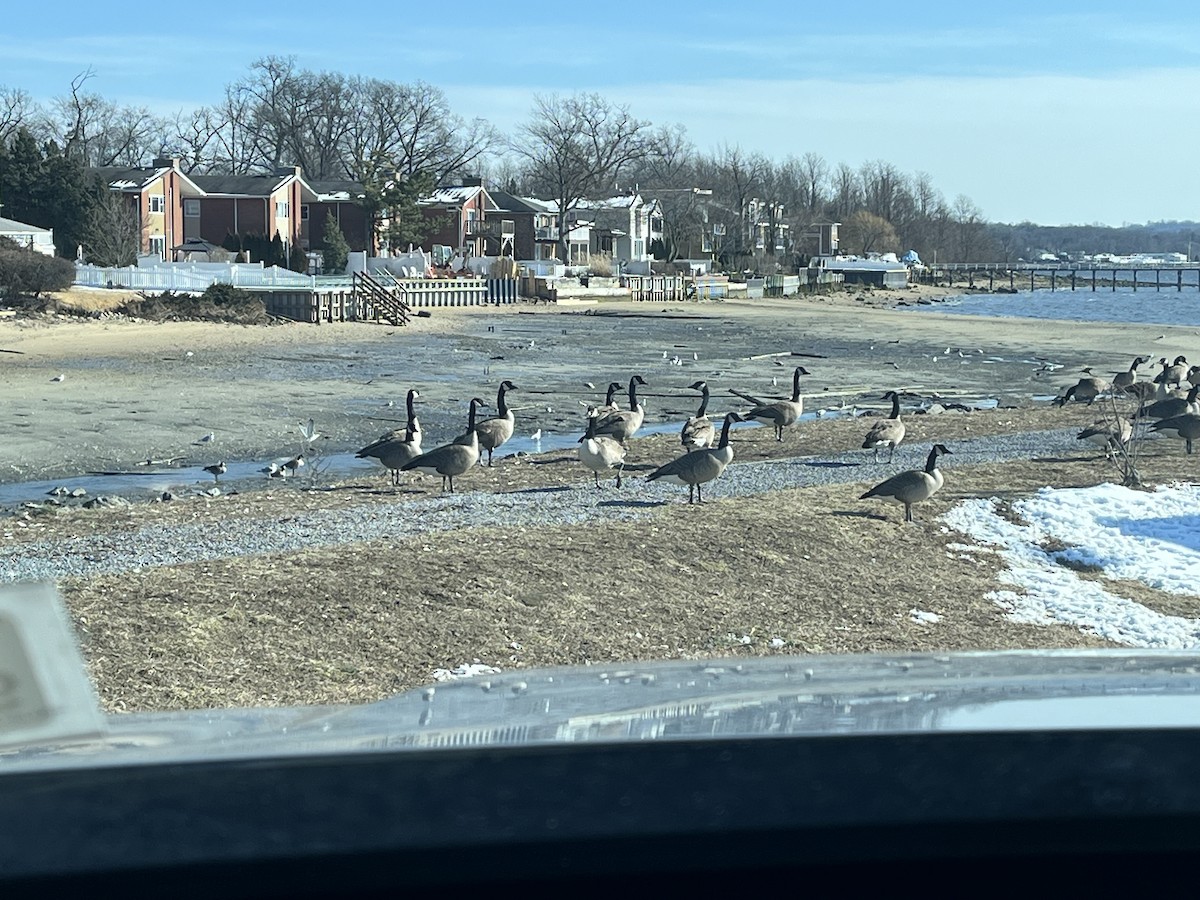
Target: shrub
(601,266)
(222,294)
(29,273)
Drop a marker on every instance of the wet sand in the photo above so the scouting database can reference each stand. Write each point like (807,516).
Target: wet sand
(133,391)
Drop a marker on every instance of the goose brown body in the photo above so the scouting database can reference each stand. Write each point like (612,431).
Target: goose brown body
(912,486)
(702,466)
(887,432)
(781,413)
(455,458)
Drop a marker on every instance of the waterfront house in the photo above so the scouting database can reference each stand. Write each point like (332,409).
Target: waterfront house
(40,240)
(158,195)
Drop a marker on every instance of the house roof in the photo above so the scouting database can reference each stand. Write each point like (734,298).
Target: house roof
(135,179)
(337,189)
(458,196)
(250,185)
(12,226)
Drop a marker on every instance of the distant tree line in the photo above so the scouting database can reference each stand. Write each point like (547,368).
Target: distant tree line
(401,140)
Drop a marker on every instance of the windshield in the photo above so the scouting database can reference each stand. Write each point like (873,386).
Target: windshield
(348,383)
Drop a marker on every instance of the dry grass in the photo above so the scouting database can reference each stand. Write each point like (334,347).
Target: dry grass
(813,568)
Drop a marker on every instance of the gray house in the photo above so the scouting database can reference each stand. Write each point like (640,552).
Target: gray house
(39,239)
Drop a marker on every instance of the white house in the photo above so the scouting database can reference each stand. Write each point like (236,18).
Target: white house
(624,227)
(39,239)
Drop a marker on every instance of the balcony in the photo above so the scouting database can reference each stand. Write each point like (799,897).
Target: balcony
(546,233)
(500,229)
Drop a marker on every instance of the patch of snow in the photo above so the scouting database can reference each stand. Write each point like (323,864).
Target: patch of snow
(924,618)
(465,670)
(1150,537)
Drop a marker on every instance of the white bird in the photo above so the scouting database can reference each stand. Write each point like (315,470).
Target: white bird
(59,378)
(188,355)
(207,439)
(537,435)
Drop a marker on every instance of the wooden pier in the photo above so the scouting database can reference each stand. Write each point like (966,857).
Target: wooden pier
(1032,277)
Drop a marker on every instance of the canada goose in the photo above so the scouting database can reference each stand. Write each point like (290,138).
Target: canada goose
(1186,426)
(624,424)
(698,431)
(1086,390)
(887,432)
(1122,381)
(396,447)
(1110,434)
(290,467)
(912,486)
(1173,374)
(1170,407)
(695,469)
(782,413)
(216,471)
(451,459)
(600,453)
(1193,375)
(393,451)
(495,431)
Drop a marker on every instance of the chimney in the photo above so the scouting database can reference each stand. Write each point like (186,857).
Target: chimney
(166,162)
(473,181)
(287,170)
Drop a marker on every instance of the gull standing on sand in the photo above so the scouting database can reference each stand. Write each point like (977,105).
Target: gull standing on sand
(207,439)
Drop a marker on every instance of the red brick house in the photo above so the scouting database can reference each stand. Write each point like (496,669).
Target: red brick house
(463,214)
(244,204)
(158,194)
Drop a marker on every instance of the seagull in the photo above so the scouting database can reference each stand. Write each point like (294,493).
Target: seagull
(537,435)
(188,355)
(216,471)
(59,378)
(207,439)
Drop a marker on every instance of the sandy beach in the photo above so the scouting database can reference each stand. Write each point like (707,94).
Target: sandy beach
(134,391)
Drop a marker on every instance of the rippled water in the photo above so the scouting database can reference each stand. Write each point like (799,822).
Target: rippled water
(1143,306)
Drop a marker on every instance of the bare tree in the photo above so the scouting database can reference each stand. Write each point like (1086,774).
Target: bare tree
(668,174)
(815,172)
(847,193)
(98,132)
(17,109)
(968,228)
(869,233)
(113,236)
(576,147)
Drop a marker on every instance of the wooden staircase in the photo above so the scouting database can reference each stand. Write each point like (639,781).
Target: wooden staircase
(382,302)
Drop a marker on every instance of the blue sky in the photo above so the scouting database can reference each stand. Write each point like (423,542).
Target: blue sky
(1076,114)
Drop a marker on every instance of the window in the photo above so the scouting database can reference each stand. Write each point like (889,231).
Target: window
(303,212)
(191,209)
(282,210)
(158,203)
(158,246)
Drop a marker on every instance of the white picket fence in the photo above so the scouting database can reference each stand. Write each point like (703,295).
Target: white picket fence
(183,277)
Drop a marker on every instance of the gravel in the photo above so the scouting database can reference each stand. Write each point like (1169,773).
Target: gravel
(538,507)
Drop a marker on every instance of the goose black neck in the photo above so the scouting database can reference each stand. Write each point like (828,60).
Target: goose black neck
(725,432)
(632,393)
(931,462)
(796,385)
(895,406)
(703,403)
(501,403)
(612,390)
(471,417)
(409,404)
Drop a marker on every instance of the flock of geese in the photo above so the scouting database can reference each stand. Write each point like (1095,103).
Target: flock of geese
(609,428)
(1162,402)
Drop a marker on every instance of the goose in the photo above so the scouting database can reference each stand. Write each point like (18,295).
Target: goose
(393,450)
(781,413)
(600,453)
(292,465)
(495,431)
(1186,426)
(624,424)
(451,459)
(1176,373)
(1108,433)
(216,471)
(887,432)
(912,486)
(1169,407)
(1123,381)
(696,469)
(698,431)
(1086,390)
(398,446)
